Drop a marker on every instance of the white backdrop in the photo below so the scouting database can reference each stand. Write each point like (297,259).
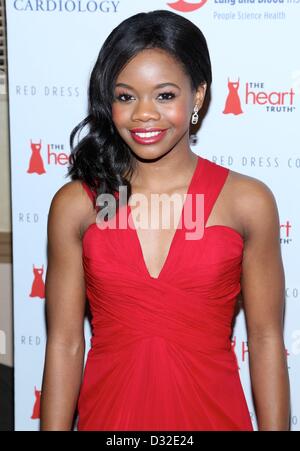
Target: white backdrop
(52,46)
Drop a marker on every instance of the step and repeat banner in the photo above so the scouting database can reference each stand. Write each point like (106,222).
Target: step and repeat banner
(252,127)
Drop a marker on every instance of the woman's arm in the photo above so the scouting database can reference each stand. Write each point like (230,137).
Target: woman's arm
(263,290)
(65,307)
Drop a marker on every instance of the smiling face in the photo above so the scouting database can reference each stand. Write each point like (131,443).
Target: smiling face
(153,92)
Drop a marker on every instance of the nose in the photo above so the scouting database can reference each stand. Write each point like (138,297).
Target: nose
(145,110)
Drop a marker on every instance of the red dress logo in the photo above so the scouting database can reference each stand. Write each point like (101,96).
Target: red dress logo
(37,403)
(38,286)
(36,164)
(185,7)
(233,103)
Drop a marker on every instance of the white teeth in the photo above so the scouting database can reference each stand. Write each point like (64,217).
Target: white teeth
(147,134)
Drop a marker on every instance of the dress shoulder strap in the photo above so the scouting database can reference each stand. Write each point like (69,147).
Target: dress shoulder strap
(93,195)
(90,193)
(215,177)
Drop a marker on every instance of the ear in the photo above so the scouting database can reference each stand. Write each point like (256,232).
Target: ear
(200,95)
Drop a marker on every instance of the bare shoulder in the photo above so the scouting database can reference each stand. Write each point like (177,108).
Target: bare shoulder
(70,207)
(250,188)
(254,203)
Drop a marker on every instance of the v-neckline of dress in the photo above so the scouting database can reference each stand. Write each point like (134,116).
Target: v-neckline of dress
(175,235)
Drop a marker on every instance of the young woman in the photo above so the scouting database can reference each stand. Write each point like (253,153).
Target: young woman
(162,300)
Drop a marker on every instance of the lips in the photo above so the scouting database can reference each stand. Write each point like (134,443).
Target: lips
(147,135)
(144,130)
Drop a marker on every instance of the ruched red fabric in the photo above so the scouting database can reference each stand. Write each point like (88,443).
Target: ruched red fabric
(161,356)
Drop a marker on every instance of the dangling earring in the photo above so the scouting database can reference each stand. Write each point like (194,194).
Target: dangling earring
(195,116)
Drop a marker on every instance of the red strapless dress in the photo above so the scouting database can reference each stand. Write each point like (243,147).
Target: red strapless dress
(161,356)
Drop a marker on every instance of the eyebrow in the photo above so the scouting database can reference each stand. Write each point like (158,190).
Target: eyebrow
(161,85)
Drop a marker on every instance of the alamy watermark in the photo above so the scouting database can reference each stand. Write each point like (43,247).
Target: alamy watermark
(161,216)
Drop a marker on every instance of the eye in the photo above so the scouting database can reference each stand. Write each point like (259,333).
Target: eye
(170,95)
(123,97)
